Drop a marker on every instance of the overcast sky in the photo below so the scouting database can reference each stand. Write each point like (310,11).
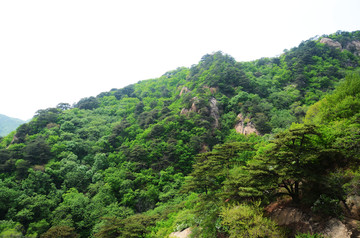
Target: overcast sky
(62,51)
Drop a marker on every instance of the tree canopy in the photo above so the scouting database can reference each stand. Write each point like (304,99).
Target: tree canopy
(205,147)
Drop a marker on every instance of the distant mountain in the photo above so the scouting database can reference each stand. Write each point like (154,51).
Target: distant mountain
(8,124)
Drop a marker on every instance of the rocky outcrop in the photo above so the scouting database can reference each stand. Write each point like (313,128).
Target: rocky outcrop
(245,126)
(183,91)
(300,221)
(336,229)
(184,111)
(181,234)
(353,207)
(193,107)
(293,218)
(354,47)
(14,140)
(211,89)
(214,112)
(331,43)
(353,225)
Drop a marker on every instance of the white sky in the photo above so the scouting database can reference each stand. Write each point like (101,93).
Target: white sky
(64,50)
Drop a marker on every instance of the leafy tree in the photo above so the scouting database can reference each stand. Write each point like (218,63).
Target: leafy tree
(126,151)
(133,226)
(211,168)
(294,158)
(343,103)
(60,232)
(22,167)
(63,106)
(37,228)
(37,182)
(87,103)
(37,151)
(8,197)
(126,91)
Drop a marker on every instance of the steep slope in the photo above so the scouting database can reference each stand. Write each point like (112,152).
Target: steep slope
(115,163)
(8,124)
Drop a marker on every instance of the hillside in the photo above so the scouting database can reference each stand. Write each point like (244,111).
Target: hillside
(8,124)
(206,147)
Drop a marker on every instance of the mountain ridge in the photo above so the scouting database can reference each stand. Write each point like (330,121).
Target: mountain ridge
(165,154)
(8,124)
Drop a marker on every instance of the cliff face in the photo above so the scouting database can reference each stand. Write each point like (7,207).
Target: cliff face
(214,112)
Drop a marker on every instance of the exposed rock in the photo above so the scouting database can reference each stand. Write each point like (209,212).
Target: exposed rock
(181,234)
(293,218)
(184,90)
(204,148)
(331,43)
(184,111)
(353,225)
(300,221)
(245,126)
(39,167)
(14,140)
(214,112)
(354,47)
(193,107)
(336,229)
(353,203)
(212,90)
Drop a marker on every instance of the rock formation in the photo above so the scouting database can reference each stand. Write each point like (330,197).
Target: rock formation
(245,126)
(300,221)
(354,47)
(184,90)
(331,43)
(193,107)
(181,234)
(214,112)
(353,207)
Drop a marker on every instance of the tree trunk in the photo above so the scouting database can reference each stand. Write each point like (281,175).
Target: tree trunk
(296,195)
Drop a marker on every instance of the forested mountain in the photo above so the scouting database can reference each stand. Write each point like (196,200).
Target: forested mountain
(8,124)
(205,147)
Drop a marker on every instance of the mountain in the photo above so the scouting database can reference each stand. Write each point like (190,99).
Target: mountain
(211,148)
(8,124)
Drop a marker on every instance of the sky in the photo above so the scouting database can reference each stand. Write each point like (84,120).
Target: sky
(61,51)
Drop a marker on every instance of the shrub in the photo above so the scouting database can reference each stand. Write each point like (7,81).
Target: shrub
(247,220)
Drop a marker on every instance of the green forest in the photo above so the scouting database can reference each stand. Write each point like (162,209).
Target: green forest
(209,148)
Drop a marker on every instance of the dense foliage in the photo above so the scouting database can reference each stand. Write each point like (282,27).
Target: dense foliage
(162,155)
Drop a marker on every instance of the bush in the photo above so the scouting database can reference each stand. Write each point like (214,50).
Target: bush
(327,206)
(247,220)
